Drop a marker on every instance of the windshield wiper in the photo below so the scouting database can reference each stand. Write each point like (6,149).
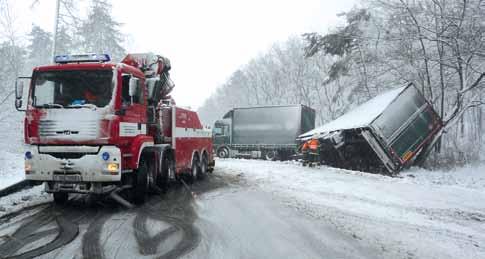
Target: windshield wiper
(51,105)
(86,105)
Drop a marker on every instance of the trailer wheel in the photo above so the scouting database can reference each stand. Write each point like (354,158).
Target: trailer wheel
(223,152)
(270,155)
(141,183)
(61,198)
(203,168)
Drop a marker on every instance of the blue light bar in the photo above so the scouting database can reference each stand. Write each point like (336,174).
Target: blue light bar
(63,59)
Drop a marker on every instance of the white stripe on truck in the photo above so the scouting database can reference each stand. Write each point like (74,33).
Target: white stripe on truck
(192,133)
(129,129)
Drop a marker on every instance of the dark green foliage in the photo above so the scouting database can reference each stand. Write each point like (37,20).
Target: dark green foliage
(340,42)
(65,43)
(338,68)
(39,47)
(100,32)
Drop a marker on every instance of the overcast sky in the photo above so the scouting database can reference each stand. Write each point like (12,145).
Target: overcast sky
(205,40)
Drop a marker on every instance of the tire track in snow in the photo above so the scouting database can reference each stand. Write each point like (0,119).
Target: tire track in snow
(175,209)
(30,232)
(52,227)
(91,242)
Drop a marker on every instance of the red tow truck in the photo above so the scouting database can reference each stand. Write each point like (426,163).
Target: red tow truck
(94,126)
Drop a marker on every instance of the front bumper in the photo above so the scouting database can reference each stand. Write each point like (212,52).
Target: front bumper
(88,168)
(79,187)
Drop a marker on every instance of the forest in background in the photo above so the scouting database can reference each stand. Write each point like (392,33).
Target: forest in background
(436,44)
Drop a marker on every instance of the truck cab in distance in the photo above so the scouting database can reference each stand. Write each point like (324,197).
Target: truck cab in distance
(267,132)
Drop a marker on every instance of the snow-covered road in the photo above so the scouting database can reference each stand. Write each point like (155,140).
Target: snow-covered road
(252,223)
(262,209)
(419,215)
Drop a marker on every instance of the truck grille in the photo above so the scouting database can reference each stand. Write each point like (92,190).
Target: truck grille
(61,155)
(69,129)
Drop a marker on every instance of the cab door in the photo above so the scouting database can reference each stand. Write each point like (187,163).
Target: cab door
(133,119)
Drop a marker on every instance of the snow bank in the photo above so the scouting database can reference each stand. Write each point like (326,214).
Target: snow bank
(22,199)
(470,177)
(11,168)
(421,214)
(361,115)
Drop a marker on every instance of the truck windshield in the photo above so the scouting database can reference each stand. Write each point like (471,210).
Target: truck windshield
(220,130)
(217,131)
(72,89)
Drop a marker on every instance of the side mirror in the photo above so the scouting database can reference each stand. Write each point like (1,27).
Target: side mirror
(19,89)
(133,86)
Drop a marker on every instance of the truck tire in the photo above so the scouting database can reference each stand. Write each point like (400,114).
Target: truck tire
(203,168)
(61,198)
(194,171)
(270,155)
(163,177)
(141,183)
(223,152)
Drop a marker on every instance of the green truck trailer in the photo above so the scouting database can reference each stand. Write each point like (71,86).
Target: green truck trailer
(268,132)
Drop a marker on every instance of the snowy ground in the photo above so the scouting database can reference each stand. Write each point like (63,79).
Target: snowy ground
(11,148)
(262,209)
(419,215)
(23,199)
(11,168)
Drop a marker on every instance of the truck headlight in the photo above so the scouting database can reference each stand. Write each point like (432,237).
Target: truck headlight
(113,167)
(28,168)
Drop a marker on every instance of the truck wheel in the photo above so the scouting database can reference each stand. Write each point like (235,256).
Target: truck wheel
(194,171)
(162,179)
(270,155)
(61,197)
(141,183)
(203,168)
(223,152)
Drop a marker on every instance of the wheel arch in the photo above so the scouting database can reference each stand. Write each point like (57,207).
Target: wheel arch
(140,145)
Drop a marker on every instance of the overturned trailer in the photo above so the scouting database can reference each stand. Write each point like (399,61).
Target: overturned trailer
(383,135)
